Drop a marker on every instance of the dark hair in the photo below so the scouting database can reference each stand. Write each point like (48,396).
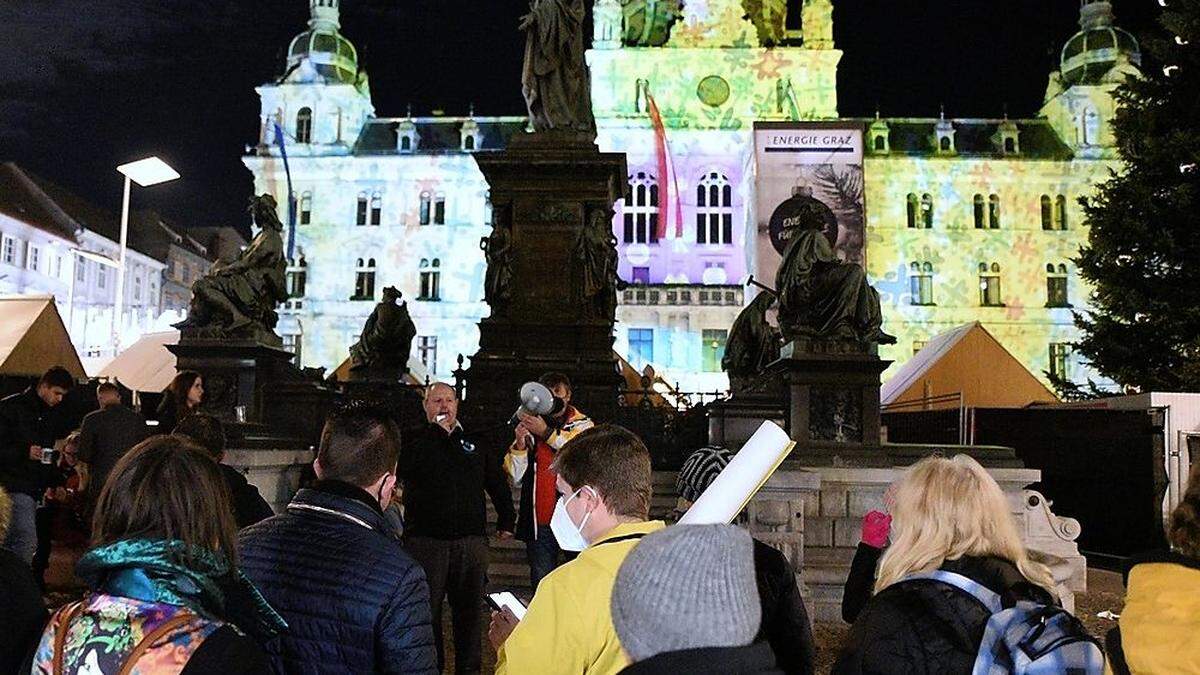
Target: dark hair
(204,430)
(613,460)
(358,445)
(174,401)
(57,377)
(1184,530)
(552,380)
(107,387)
(166,488)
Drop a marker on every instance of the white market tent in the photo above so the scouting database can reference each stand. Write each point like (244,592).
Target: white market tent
(33,338)
(146,365)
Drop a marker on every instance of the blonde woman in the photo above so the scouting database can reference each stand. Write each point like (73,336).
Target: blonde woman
(949,514)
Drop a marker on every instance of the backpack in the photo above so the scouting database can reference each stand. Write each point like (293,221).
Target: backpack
(1029,638)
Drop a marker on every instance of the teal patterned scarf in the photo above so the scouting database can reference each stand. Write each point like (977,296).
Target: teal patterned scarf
(172,573)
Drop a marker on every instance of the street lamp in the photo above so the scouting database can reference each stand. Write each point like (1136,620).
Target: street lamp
(144,172)
(87,255)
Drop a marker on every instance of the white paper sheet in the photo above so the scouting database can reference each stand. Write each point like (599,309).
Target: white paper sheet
(732,489)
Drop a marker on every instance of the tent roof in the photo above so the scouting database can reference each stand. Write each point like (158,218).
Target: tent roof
(33,337)
(966,360)
(146,365)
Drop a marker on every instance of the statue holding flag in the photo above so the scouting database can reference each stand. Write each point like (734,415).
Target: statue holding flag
(555,79)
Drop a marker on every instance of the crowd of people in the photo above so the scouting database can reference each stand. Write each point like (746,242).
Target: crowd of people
(188,570)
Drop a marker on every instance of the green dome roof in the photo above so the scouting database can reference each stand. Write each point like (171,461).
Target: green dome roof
(1098,46)
(329,52)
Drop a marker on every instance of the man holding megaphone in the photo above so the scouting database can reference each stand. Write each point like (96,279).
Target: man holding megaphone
(541,429)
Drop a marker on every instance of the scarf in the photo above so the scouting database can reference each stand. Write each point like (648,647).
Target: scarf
(173,573)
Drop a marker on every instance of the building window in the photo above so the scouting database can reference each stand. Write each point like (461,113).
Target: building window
(427,352)
(641,346)
(360,213)
(945,144)
(980,212)
(304,120)
(880,143)
(1056,286)
(376,207)
(926,211)
(406,143)
(1047,213)
(1010,145)
(641,275)
(33,256)
(439,209)
(714,273)
(641,209)
(1060,212)
(994,211)
(80,269)
(469,142)
(291,343)
(426,204)
(137,288)
(305,208)
(713,349)
(297,279)
(989,285)
(911,210)
(431,274)
(10,250)
(714,210)
(1091,127)
(920,283)
(364,279)
(101,276)
(1060,360)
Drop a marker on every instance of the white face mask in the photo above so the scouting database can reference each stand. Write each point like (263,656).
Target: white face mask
(569,535)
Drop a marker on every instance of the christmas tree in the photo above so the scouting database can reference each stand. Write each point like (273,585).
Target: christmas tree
(1143,252)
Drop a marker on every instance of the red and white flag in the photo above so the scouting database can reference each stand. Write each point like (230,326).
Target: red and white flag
(671,208)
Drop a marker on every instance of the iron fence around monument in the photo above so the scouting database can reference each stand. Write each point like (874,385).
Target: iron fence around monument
(672,424)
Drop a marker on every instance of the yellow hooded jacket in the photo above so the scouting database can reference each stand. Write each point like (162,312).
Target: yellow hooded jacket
(568,628)
(1160,625)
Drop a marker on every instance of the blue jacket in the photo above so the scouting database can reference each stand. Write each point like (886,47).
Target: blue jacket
(354,601)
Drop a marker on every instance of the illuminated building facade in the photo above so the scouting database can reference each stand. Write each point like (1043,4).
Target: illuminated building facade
(966,219)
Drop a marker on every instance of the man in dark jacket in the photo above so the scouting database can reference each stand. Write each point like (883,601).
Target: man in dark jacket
(24,613)
(354,601)
(249,507)
(105,436)
(27,438)
(445,475)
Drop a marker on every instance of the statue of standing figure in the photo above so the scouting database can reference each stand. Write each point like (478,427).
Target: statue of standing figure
(555,79)
(497,281)
(595,255)
(386,337)
(238,299)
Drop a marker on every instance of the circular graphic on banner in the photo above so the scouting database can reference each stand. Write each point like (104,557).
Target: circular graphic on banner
(713,91)
(801,212)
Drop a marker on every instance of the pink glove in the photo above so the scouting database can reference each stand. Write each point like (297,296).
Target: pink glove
(875,528)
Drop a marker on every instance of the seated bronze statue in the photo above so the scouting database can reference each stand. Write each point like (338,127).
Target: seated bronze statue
(387,336)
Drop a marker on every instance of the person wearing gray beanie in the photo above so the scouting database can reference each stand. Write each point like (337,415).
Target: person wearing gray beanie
(685,600)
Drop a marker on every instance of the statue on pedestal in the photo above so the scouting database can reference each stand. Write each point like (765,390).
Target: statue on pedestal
(386,337)
(820,296)
(595,256)
(753,342)
(555,79)
(237,299)
(497,281)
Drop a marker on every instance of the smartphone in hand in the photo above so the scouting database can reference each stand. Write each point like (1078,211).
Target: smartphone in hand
(503,599)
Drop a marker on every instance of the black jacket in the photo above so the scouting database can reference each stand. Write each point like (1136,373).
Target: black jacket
(249,507)
(104,437)
(24,614)
(445,476)
(752,659)
(354,601)
(785,623)
(860,584)
(926,626)
(25,421)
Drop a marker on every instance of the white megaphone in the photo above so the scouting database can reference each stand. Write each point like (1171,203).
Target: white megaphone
(536,399)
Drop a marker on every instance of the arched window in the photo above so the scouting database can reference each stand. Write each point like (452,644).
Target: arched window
(1047,213)
(1056,286)
(920,283)
(641,209)
(714,210)
(1010,145)
(431,274)
(1091,127)
(979,212)
(911,209)
(469,142)
(994,211)
(945,144)
(439,209)
(926,211)
(989,285)
(406,143)
(297,279)
(360,213)
(426,207)
(880,143)
(305,207)
(1060,212)
(304,120)
(364,279)
(376,207)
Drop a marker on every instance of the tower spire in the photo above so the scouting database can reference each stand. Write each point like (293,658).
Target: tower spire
(324,14)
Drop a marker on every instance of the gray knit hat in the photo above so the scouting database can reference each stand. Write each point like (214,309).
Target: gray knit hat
(686,587)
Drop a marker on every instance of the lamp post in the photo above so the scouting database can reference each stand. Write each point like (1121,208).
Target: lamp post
(144,172)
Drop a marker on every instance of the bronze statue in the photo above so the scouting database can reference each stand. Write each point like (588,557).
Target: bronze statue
(497,281)
(555,79)
(820,296)
(237,299)
(753,342)
(595,255)
(386,337)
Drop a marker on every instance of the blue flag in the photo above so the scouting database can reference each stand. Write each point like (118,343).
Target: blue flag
(291,212)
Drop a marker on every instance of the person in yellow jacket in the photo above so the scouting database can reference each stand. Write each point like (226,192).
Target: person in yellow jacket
(604,477)
(1159,632)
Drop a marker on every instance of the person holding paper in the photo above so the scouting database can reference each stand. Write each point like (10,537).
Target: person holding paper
(604,477)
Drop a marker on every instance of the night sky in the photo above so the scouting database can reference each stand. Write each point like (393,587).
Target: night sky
(85,85)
